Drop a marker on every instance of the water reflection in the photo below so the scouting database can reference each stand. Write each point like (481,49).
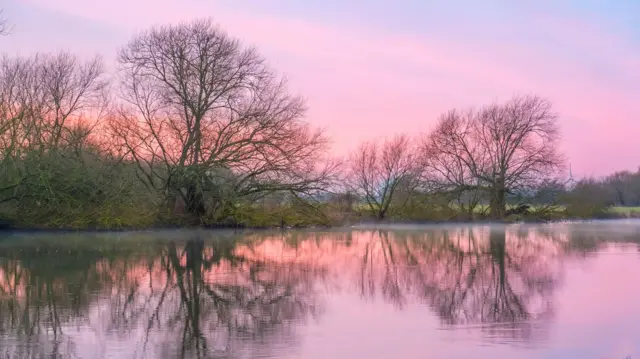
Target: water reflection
(203,294)
(187,299)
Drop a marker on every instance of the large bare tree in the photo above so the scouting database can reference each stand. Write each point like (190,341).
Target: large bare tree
(379,169)
(498,149)
(206,120)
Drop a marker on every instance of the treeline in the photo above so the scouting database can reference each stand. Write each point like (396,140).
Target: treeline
(195,129)
(622,188)
(616,194)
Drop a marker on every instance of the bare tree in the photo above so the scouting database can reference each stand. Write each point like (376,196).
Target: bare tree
(206,119)
(45,101)
(377,170)
(447,160)
(4,25)
(620,184)
(634,188)
(499,149)
(43,95)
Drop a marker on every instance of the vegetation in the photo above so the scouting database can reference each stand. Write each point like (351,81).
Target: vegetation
(4,27)
(196,129)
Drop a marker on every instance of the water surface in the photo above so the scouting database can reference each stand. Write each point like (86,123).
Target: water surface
(519,291)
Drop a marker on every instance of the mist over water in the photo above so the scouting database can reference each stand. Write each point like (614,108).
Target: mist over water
(563,290)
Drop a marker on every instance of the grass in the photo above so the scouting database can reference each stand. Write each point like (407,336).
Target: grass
(625,210)
(480,208)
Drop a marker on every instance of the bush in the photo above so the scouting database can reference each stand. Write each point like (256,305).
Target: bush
(64,188)
(588,199)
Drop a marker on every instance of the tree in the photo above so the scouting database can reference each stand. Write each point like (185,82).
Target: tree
(634,188)
(587,199)
(203,112)
(378,170)
(623,186)
(497,149)
(4,25)
(446,161)
(545,197)
(51,165)
(44,96)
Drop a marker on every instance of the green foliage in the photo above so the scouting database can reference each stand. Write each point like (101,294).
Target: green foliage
(588,199)
(291,214)
(83,188)
(429,212)
(69,189)
(624,211)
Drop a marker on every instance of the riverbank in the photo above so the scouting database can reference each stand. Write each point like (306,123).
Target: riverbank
(614,213)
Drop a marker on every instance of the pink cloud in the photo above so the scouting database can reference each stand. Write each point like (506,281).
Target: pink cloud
(364,83)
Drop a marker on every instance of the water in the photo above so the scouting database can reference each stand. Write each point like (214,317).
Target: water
(521,291)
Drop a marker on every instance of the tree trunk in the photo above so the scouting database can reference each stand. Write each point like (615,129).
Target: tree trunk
(382,214)
(195,250)
(497,248)
(621,197)
(195,202)
(497,205)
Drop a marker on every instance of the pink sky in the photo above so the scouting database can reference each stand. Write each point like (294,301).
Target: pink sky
(363,81)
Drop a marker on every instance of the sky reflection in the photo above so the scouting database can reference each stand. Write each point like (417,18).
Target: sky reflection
(439,292)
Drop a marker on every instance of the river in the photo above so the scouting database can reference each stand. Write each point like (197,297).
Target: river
(564,290)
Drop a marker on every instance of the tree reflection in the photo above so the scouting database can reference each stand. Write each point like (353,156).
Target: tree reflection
(203,297)
(193,299)
(214,302)
(38,295)
(468,276)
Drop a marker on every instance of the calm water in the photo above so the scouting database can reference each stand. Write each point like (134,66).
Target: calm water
(520,291)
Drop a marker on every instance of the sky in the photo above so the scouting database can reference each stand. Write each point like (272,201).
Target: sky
(370,69)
